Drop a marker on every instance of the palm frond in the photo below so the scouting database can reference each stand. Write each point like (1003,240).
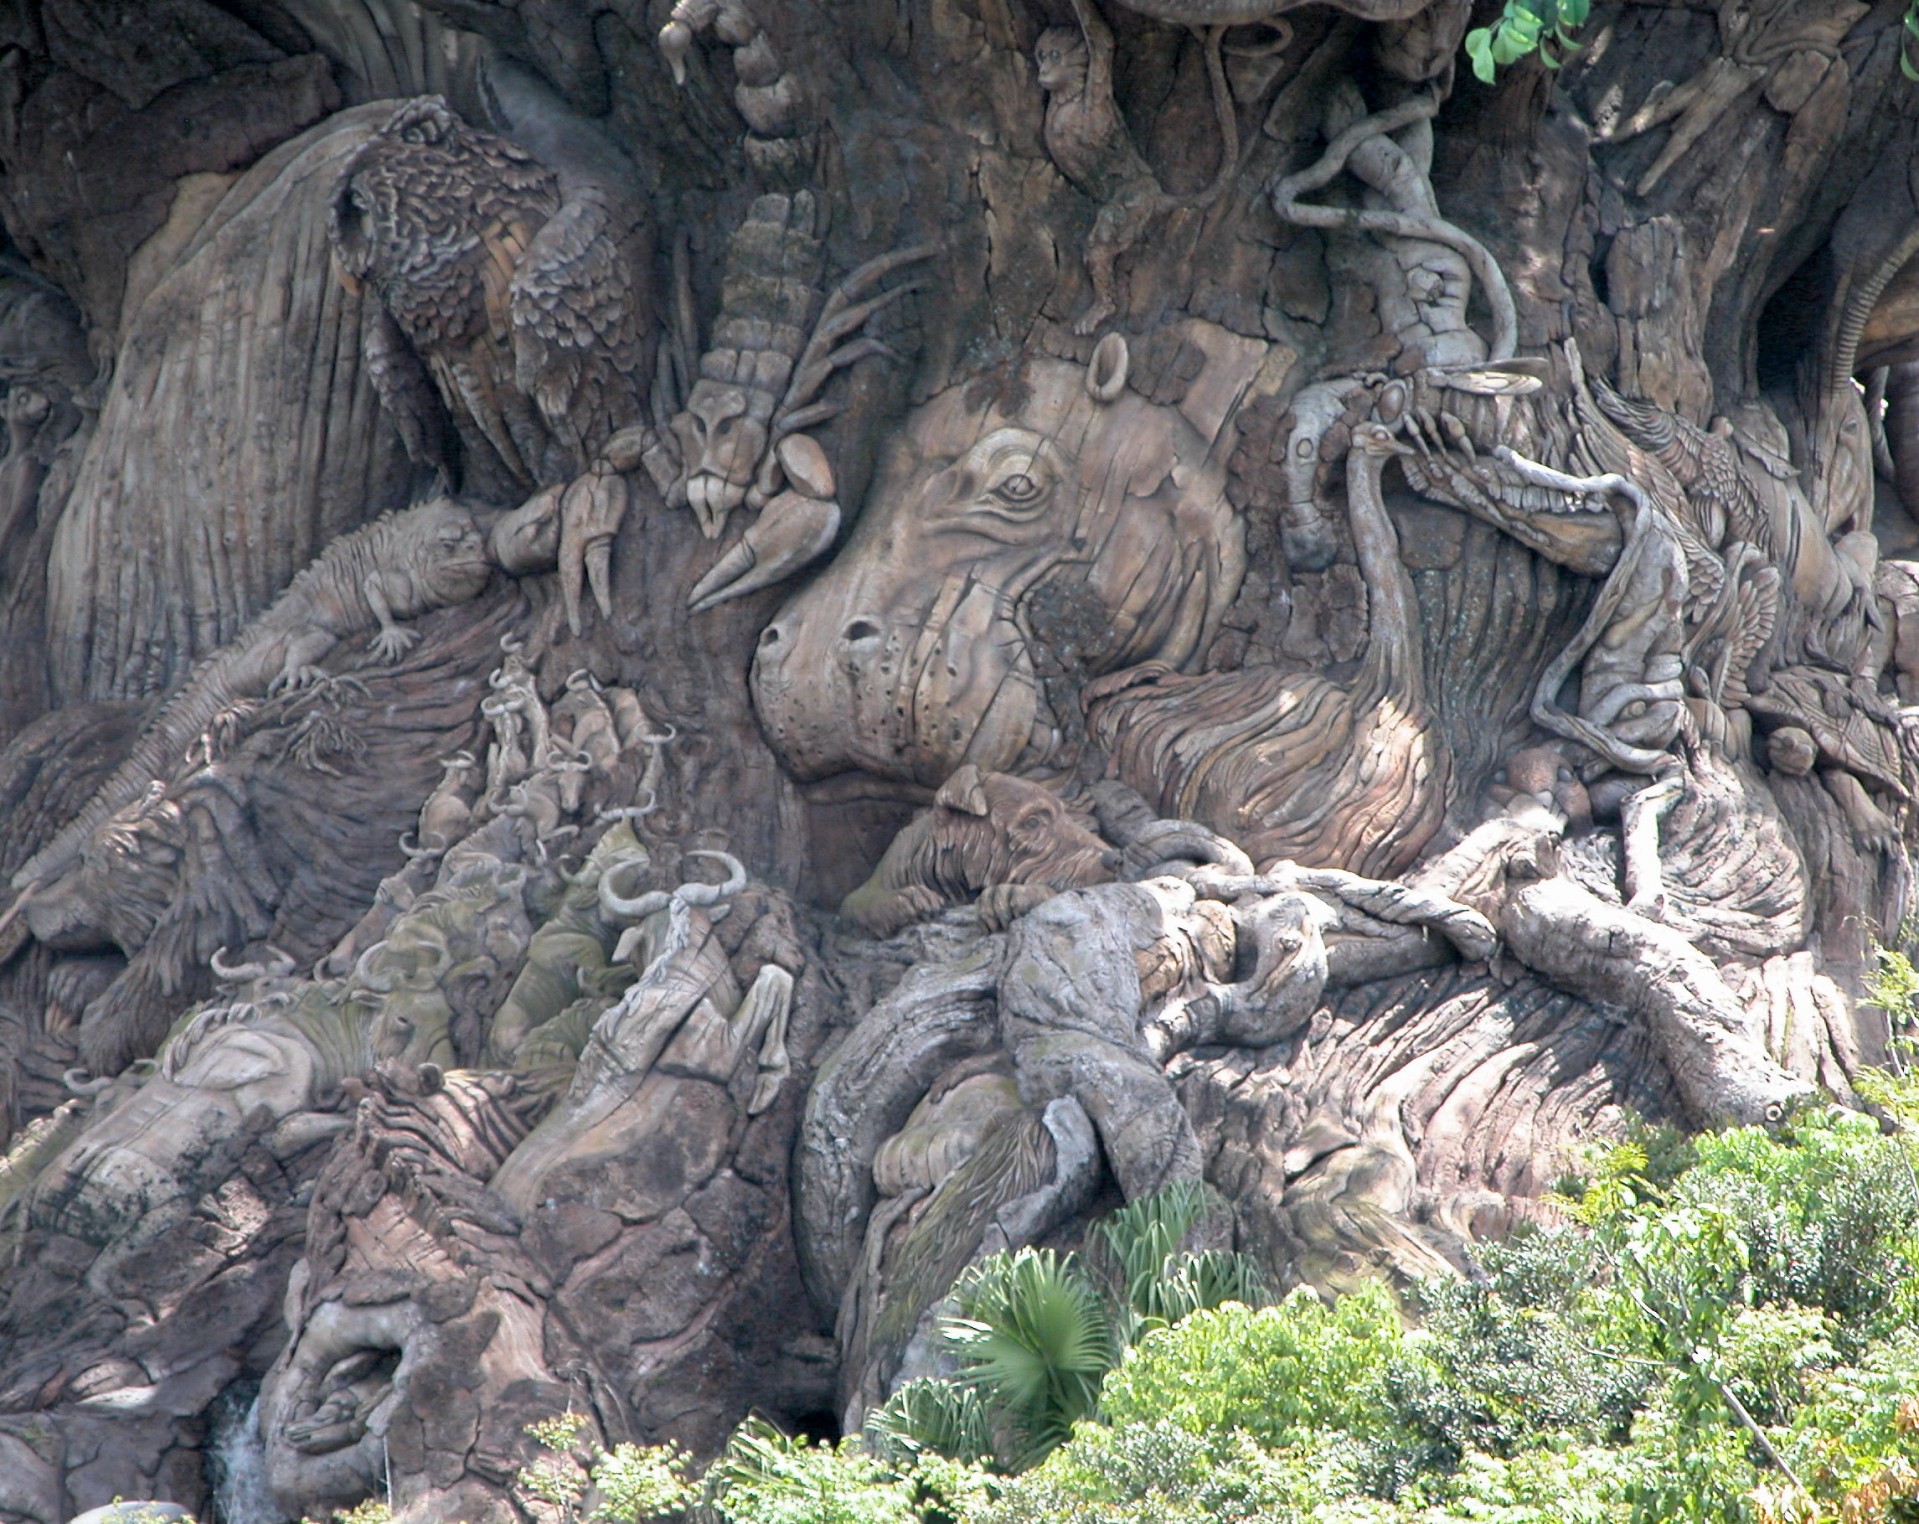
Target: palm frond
(1034,1338)
(929,1414)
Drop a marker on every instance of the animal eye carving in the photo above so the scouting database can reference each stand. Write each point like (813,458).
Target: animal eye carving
(1019,490)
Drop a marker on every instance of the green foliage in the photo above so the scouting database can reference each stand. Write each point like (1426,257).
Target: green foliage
(767,1477)
(926,1416)
(1525,27)
(1909,41)
(630,1484)
(1280,1374)
(1148,1473)
(1033,1334)
(637,1483)
(1036,1332)
(1723,1331)
(1142,1249)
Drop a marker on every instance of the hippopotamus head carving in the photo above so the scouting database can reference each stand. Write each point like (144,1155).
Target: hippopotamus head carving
(1042,524)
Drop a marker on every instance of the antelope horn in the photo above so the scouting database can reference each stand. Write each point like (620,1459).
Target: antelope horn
(363,971)
(616,904)
(19,903)
(78,1083)
(629,811)
(672,735)
(233,973)
(696,893)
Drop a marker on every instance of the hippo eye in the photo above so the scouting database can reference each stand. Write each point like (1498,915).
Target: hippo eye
(1018,490)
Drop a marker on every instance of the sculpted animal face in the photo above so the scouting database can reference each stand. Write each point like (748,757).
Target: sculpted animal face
(116,893)
(448,550)
(984,830)
(418,198)
(165,1143)
(722,435)
(1061,57)
(1014,537)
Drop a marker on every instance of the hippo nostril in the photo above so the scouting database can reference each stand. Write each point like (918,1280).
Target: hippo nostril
(770,636)
(862,629)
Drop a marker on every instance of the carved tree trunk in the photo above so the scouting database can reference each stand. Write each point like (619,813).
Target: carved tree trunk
(1420,677)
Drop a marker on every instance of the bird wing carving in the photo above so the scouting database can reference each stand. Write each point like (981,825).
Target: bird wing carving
(578,335)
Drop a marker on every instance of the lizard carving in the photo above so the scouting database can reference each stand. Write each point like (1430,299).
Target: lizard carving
(400,566)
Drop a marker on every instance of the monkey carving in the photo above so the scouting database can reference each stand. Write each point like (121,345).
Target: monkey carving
(1089,142)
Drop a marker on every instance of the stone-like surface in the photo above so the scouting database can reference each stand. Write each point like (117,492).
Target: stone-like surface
(1037,600)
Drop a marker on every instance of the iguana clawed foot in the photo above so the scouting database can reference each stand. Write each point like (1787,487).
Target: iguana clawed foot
(392,643)
(306,675)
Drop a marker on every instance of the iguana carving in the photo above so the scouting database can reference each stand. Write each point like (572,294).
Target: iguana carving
(401,566)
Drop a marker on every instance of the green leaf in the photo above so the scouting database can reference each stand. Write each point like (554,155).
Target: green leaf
(1479,48)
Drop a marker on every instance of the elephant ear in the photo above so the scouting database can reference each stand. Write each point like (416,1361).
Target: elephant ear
(965,791)
(1106,371)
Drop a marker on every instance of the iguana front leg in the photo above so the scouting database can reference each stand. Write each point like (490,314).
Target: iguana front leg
(299,667)
(392,642)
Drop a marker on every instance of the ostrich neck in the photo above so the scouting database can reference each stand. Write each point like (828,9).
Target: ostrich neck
(1395,656)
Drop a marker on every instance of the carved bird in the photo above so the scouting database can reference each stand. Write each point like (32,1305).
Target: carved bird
(515,298)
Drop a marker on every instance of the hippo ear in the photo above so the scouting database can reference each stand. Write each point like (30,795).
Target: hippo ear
(965,791)
(1106,371)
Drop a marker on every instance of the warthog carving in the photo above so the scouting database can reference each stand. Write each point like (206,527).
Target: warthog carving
(1008,842)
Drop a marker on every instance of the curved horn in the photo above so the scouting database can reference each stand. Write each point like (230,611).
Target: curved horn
(630,811)
(616,904)
(20,903)
(363,971)
(78,1083)
(233,973)
(696,893)
(672,734)
(460,760)
(416,851)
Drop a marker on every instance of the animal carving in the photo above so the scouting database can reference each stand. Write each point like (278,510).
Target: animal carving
(399,567)
(396,569)
(1008,842)
(1044,526)
(1334,774)
(513,294)
(1089,141)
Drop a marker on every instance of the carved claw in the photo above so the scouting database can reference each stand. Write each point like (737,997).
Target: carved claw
(295,678)
(792,531)
(676,41)
(590,515)
(393,642)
